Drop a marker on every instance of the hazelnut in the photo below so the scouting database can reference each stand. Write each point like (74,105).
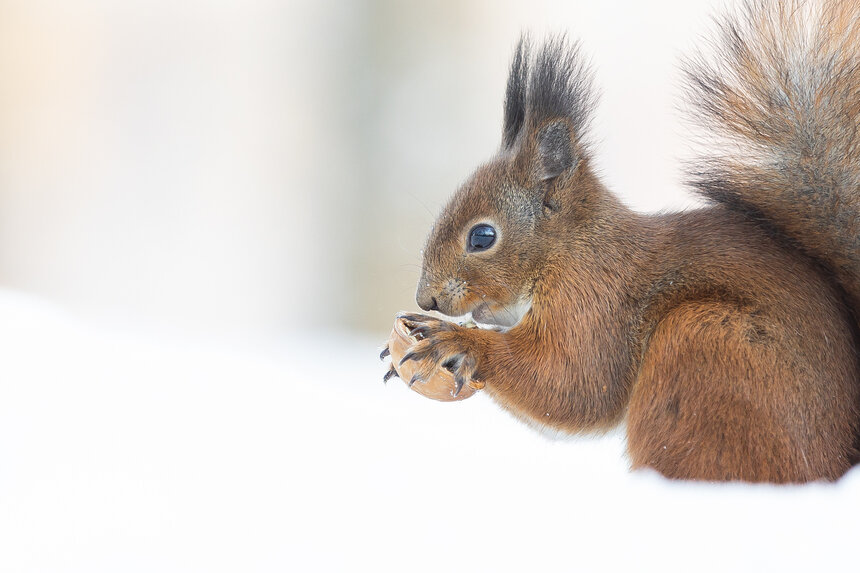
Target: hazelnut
(440,386)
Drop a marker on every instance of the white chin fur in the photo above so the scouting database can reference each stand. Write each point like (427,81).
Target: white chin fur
(505,319)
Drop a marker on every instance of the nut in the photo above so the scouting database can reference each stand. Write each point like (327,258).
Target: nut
(441,384)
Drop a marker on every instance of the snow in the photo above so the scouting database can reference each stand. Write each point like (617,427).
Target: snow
(139,451)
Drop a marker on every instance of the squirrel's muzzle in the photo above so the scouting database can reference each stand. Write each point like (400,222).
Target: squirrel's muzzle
(426,301)
(425,295)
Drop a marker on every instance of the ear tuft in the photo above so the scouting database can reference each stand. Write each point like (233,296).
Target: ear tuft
(515,95)
(554,150)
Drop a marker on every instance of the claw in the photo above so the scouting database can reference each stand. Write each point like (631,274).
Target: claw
(407,357)
(458,384)
(415,378)
(385,352)
(412,317)
(422,330)
(389,375)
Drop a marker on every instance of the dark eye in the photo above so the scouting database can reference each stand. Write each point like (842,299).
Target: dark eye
(481,238)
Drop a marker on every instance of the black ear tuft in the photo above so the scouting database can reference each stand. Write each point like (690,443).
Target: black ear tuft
(549,97)
(515,95)
(560,86)
(555,150)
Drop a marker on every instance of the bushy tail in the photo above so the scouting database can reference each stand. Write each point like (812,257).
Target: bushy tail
(782,94)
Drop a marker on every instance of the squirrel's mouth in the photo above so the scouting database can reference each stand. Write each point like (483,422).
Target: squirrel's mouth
(507,316)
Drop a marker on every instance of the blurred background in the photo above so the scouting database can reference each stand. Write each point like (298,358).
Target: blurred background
(241,166)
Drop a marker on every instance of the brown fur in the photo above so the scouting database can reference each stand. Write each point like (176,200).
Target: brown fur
(723,333)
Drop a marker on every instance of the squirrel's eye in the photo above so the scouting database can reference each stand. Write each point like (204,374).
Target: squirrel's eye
(481,237)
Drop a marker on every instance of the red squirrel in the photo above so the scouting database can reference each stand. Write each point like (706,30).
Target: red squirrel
(727,336)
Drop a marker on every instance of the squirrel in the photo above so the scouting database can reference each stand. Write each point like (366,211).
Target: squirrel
(725,336)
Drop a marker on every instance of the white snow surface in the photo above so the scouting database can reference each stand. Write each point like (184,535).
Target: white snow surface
(124,451)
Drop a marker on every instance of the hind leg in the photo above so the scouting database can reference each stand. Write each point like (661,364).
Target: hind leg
(726,395)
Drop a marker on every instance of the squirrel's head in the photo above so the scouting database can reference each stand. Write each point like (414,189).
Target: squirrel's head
(488,247)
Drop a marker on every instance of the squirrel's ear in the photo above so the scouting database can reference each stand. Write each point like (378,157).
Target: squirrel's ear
(555,153)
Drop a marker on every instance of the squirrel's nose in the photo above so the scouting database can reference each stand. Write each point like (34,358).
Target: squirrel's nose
(425,301)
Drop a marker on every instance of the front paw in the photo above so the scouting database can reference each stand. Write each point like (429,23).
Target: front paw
(442,344)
